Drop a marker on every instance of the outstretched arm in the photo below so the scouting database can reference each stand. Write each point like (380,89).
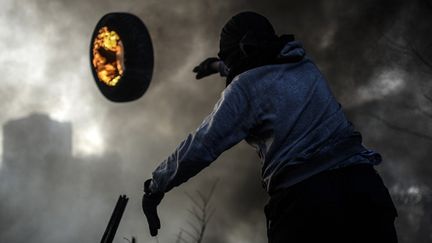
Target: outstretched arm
(226,126)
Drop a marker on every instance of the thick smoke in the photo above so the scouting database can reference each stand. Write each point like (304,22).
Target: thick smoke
(366,49)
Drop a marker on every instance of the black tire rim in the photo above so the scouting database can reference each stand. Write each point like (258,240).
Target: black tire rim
(137,53)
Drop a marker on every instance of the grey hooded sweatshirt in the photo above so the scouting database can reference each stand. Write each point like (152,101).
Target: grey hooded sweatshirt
(287,113)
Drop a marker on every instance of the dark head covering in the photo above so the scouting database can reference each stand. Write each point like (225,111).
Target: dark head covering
(248,40)
(235,30)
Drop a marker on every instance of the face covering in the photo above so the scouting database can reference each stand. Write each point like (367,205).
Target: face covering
(248,40)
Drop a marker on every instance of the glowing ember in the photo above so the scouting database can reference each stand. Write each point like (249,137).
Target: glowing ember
(108,56)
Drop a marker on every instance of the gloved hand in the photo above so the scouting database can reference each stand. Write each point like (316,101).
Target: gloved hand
(150,201)
(206,67)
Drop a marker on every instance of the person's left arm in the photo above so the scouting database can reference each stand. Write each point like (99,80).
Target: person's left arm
(227,125)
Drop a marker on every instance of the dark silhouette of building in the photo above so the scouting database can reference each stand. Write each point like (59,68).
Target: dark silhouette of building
(36,150)
(44,190)
(35,144)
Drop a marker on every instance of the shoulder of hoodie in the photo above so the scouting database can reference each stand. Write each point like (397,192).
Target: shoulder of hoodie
(253,79)
(256,79)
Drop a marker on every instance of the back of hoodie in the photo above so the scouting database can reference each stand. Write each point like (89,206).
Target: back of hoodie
(287,112)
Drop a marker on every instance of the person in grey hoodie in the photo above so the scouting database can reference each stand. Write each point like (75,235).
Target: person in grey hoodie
(320,177)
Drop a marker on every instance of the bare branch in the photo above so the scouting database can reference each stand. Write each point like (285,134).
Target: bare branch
(408,50)
(180,239)
(203,199)
(193,200)
(401,48)
(179,236)
(194,228)
(213,188)
(192,236)
(200,213)
(421,58)
(201,236)
(402,129)
(196,214)
(210,215)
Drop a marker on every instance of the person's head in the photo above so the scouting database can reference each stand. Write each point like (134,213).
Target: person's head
(248,40)
(242,35)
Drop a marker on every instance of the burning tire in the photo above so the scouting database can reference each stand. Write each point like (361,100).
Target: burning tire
(121,56)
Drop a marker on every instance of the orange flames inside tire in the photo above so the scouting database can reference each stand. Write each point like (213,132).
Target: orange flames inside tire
(108,56)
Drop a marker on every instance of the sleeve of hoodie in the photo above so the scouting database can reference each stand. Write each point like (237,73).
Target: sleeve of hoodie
(227,125)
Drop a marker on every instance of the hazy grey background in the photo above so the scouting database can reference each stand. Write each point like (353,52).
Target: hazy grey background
(365,48)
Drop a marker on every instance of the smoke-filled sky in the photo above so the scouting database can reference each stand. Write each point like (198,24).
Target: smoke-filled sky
(366,49)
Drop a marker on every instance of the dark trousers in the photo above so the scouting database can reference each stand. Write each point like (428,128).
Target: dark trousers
(347,205)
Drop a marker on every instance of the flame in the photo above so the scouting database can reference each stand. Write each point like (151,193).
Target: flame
(108,56)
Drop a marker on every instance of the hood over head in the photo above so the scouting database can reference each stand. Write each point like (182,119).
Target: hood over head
(248,40)
(245,28)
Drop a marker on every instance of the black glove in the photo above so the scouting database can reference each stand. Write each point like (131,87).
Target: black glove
(150,201)
(205,68)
